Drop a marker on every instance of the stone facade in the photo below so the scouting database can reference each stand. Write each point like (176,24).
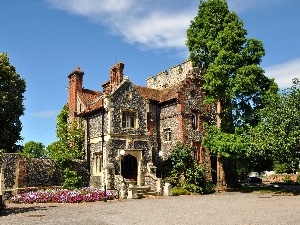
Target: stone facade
(127,125)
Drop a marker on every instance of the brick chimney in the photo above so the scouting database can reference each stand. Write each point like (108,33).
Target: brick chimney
(116,75)
(75,86)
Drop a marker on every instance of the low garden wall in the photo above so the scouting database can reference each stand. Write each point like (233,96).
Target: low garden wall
(20,172)
(280,178)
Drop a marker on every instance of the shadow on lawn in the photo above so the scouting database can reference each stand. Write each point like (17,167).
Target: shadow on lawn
(276,188)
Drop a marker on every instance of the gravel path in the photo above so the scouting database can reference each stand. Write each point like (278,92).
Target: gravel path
(220,208)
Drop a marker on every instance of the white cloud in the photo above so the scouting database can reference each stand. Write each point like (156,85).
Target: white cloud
(46,114)
(90,8)
(158,24)
(284,73)
(157,30)
(150,24)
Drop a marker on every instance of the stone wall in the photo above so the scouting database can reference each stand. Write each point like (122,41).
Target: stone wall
(279,177)
(165,78)
(95,126)
(169,120)
(20,172)
(154,141)
(136,102)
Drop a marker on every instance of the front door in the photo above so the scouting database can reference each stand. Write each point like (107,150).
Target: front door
(129,167)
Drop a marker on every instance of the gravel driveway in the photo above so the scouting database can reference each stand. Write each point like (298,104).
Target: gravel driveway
(220,208)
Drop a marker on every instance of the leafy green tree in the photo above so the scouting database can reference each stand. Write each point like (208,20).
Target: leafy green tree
(233,80)
(229,63)
(12,88)
(33,149)
(277,136)
(71,139)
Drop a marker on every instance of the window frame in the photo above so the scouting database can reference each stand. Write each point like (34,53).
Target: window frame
(128,119)
(167,134)
(97,164)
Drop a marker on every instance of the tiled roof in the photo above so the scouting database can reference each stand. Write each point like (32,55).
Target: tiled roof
(149,93)
(91,99)
(158,95)
(169,93)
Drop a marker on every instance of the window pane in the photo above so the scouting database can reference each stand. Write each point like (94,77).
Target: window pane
(132,120)
(123,120)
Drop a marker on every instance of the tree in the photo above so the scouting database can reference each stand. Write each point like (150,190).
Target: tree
(71,139)
(12,88)
(233,80)
(33,149)
(229,63)
(277,137)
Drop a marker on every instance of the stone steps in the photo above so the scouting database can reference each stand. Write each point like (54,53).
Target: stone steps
(145,192)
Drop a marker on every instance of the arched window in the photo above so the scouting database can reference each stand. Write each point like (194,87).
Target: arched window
(97,164)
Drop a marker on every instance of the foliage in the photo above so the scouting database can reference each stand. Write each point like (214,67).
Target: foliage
(298,179)
(179,191)
(33,149)
(227,145)
(187,173)
(280,167)
(12,88)
(71,139)
(277,135)
(288,179)
(229,63)
(62,196)
(71,180)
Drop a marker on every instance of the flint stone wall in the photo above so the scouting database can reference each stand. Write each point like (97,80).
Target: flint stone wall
(20,172)
(165,78)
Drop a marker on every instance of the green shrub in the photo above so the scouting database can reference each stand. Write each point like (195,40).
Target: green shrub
(280,167)
(180,191)
(186,172)
(71,180)
(298,179)
(288,179)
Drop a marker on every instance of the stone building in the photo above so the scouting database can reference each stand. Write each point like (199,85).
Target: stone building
(129,128)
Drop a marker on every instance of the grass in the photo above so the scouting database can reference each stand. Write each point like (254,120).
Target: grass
(283,189)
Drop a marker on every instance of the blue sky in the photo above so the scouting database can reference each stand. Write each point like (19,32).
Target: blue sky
(48,39)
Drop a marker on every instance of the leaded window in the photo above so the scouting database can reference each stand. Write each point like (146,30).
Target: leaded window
(128,119)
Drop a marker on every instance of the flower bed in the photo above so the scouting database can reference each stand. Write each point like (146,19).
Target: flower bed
(63,196)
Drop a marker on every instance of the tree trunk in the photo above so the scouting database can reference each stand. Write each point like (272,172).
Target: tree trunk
(221,183)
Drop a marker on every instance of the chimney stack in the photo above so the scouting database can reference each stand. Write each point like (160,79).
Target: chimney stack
(75,86)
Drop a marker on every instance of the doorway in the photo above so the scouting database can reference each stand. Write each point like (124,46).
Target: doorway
(129,167)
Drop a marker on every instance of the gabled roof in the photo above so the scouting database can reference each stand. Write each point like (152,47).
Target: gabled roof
(158,95)
(91,99)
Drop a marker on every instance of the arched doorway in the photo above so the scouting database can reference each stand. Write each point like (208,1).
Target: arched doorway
(129,167)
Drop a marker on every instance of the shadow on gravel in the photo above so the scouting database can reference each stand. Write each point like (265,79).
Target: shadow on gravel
(22,209)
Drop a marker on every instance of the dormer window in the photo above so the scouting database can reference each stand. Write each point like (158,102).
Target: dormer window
(128,119)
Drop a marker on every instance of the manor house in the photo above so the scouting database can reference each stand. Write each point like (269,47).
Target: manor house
(129,128)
